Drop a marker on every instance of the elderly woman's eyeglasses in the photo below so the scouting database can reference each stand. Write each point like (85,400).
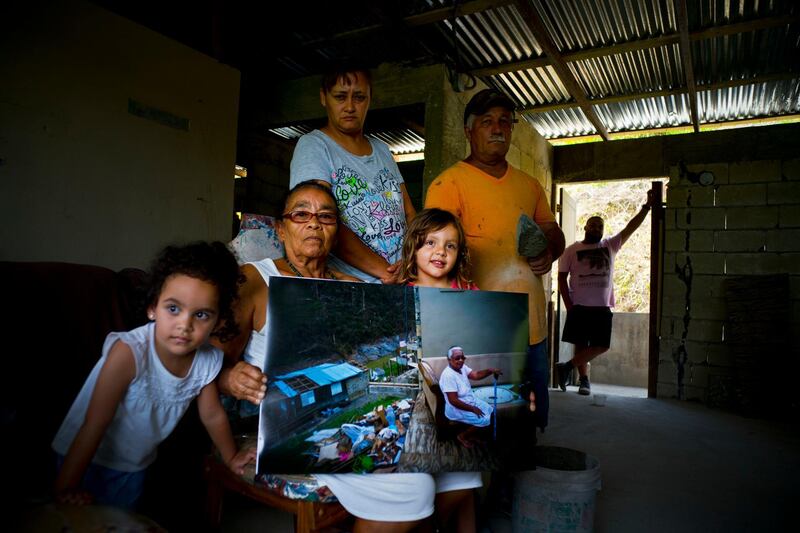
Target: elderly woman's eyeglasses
(304,216)
(458,358)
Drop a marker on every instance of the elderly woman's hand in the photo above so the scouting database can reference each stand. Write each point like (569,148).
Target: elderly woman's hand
(246,382)
(392,276)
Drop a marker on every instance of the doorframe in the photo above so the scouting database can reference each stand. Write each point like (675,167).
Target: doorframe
(657,232)
(657,220)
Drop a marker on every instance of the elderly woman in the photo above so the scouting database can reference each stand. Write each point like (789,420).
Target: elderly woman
(461,403)
(307,227)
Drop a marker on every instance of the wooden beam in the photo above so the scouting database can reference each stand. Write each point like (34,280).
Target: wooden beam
(669,92)
(630,46)
(605,100)
(686,59)
(428,17)
(744,27)
(539,31)
(749,81)
(511,67)
(462,9)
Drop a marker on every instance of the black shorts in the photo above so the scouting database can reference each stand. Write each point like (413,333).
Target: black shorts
(588,326)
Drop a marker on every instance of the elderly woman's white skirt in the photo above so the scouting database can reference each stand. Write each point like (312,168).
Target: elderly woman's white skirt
(385,497)
(468,417)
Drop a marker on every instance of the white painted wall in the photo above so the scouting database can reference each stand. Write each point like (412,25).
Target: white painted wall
(81,179)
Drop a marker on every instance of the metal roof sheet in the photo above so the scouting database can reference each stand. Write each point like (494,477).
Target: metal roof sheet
(325,374)
(285,389)
(774,98)
(400,140)
(500,35)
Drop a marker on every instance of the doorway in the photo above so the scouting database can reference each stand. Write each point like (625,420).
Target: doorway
(630,364)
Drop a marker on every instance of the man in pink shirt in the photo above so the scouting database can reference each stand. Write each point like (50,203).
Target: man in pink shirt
(589,294)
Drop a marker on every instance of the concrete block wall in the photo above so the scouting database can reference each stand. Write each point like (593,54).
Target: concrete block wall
(747,222)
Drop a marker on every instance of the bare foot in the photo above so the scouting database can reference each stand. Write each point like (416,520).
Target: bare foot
(465,441)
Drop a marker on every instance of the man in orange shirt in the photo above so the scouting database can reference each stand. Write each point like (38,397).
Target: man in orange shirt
(489,196)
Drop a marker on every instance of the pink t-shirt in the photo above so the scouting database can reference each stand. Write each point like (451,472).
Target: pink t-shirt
(591,271)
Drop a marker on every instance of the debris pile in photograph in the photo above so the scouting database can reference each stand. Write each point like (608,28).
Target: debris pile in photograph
(374,441)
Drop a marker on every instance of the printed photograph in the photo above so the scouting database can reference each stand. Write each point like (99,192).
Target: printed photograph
(371,378)
(343,379)
(476,413)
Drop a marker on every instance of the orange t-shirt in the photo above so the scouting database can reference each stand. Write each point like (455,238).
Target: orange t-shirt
(489,209)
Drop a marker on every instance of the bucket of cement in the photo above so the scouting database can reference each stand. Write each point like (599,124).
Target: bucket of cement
(559,496)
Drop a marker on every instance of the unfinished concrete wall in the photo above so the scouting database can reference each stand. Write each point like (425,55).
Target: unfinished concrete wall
(114,140)
(626,361)
(748,222)
(653,156)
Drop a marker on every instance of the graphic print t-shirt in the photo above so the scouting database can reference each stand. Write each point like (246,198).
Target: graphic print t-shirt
(367,191)
(591,271)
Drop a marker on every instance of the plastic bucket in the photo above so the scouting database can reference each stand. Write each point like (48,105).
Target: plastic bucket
(558,496)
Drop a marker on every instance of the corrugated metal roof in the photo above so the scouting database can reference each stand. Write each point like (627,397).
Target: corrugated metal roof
(561,123)
(492,37)
(400,140)
(531,87)
(644,114)
(285,389)
(730,41)
(652,69)
(585,24)
(499,35)
(750,101)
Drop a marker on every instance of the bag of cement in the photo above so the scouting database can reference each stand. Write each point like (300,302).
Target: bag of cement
(531,240)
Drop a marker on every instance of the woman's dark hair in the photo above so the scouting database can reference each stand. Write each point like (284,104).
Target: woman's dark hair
(306,185)
(427,221)
(212,262)
(344,72)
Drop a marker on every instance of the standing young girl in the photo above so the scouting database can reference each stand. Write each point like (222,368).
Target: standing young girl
(146,378)
(435,252)
(435,255)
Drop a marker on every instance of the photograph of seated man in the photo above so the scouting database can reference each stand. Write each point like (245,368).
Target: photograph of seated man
(461,403)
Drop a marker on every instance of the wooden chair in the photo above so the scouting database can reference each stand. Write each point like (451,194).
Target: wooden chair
(309,516)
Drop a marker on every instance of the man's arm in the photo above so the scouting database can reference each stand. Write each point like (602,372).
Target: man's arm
(541,264)
(563,288)
(636,221)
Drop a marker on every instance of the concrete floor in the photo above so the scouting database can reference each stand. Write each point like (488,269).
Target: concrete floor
(665,466)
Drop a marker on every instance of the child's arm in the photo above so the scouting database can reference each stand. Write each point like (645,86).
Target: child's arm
(216,422)
(117,373)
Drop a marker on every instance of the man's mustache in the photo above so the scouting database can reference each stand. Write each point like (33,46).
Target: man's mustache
(497,138)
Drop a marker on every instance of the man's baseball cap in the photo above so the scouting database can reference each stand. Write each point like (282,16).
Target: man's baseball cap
(486,99)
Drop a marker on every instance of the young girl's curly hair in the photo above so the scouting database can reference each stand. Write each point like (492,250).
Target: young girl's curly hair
(212,262)
(428,221)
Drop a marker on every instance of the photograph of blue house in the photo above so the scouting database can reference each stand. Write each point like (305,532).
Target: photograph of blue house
(294,398)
